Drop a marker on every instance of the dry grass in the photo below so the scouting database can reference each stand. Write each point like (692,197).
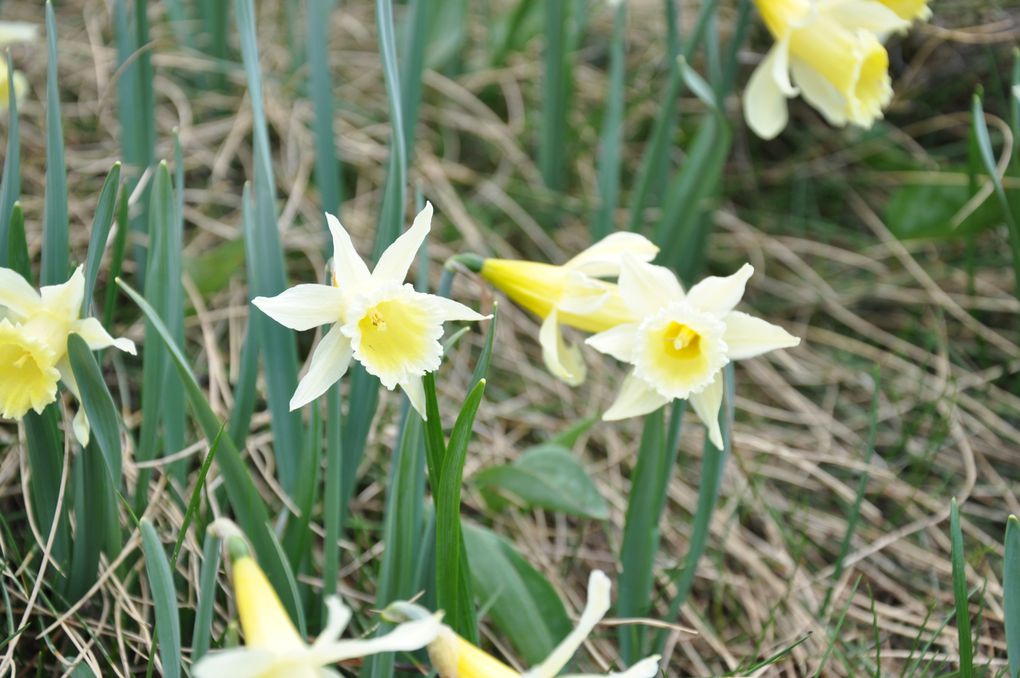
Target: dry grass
(949,416)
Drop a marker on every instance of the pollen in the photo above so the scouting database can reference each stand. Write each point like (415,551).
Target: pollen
(682,342)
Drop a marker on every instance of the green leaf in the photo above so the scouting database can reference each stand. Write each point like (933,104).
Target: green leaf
(17,244)
(101,224)
(1011,594)
(55,222)
(98,404)
(960,593)
(206,605)
(929,211)
(548,476)
(557,85)
(391,215)
(320,91)
(164,599)
(522,603)
(10,182)
(611,135)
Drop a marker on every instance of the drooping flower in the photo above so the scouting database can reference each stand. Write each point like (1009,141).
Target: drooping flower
(376,318)
(833,51)
(571,294)
(454,657)
(682,341)
(33,344)
(273,647)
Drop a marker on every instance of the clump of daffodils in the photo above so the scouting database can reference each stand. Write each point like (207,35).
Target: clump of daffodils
(682,340)
(273,648)
(454,657)
(575,294)
(34,330)
(374,317)
(831,53)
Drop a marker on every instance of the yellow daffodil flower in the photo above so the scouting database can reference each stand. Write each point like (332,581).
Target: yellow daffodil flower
(454,657)
(570,294)
(377,319)
(20,86)
(273,647)
(682,341)
(833,50)
(12,32)
(33,344)
(909,9)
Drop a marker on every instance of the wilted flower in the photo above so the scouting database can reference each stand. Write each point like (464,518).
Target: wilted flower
(33,344)
(833,50)
(380,321)
(570,294)
(454,657)
(274,648)
(682,341)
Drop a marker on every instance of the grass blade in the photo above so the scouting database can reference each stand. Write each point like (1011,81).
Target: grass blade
(101,224)
(55,264)
(10,183)
(164,599)
(1011,591)
(206,604)
(960,593)
(611,138)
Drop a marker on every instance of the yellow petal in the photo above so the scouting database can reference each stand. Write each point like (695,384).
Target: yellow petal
(454,657)
(264,620)
(28,372)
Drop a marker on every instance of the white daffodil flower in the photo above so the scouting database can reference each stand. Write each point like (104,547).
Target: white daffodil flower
(17,31)
(682,341)
(376,318)
(454,657)
(33,344)
(570,294)
(274,648)
(833,50)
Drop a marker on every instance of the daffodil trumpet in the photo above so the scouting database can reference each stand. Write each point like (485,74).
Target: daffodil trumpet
(454,657)
(575,294)
(374,317)
(829,51)
(33,344)
(273,648)
(682,340)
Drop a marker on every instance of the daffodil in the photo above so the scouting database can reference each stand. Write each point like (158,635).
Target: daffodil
(273,647)
(20,85)
(376,318)
(454,657)
(33,344)
(572,294)
(12,32)
(909,9)
(833,51)
(682,341)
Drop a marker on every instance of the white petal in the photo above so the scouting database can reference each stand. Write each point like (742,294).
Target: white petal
(328,363)
(719,295)
(602,259)
(646,668)
(67,376)
(448,309)
(304,307)
(65,299)
(406,637)
(16,294)
(617,341)
(395,262)
(349,270)
(765,97)
(594,610)
(17,31)
(873,17)
(96,336)
(636,397)
(236,663)
(415,391)
(338,616)
(747,336)
(647,288)
(818,92)
(706,404)
(563,361)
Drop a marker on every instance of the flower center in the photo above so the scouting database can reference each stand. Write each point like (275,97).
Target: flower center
(679,351)
(394,336)
(682,342)
(28,377)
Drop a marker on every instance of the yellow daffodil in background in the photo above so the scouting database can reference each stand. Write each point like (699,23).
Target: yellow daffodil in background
(833,51)
(682,341)
(377,319)
(13,32)
(33,344)
(454,657)
(273,647)
(909,9)
(570,294)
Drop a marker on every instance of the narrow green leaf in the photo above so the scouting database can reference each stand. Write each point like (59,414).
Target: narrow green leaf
(245,393)
(117,257)
(196,498)
(320,91)
(10,182)
(521,602)
(333,505)
(164,599)
(391,216)
(482,366)
(960,593)
(1011,594)
(55,264)
(17,244)
(244,497)
(557,84)
(547,476)
(98,404)
(101,224)
(611,137)
(206,605)
(88,538)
